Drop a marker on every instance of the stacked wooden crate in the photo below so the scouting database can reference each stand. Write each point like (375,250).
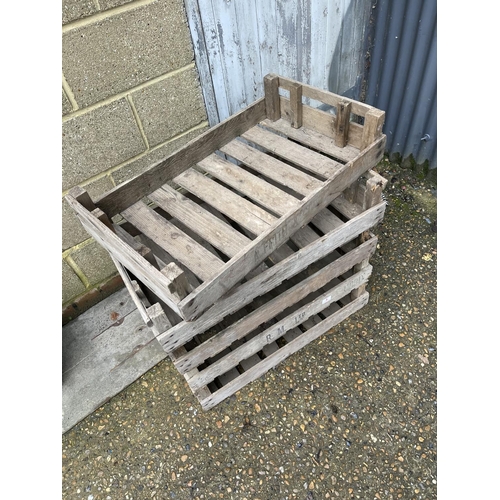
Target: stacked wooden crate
(252,240)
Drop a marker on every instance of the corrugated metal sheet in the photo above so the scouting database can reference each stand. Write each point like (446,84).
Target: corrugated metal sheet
(237,43)
(402,75)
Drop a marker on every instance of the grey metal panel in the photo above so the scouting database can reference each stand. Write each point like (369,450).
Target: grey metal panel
(237,43)
(402,77)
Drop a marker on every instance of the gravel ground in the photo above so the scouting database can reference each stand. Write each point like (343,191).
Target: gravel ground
(352,415)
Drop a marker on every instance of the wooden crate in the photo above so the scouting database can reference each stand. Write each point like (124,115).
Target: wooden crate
(305,288)
(221,205)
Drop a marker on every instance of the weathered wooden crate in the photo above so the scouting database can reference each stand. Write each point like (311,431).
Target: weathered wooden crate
(195,224)
(307,286)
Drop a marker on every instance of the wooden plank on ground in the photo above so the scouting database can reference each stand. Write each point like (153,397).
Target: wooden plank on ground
(114,349)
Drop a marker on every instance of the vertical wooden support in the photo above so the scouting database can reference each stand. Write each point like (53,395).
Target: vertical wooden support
(159,320)
(373,192)
(272,97)
(351,192)
(296,104)
(82,197)
(139,247)
(341,124)
(372,197)
(179,285)
(372,129)
(99,214)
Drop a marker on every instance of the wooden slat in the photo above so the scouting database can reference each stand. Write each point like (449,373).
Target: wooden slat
(270,309)
(248,184)
(216,232)
(124,195)
(273,277)
(283,173)
(346,208)
(183,248)
(325,221)
(248,215)
(165,258)
(271,167)
(313,139)
(179,284)
(136,245)
(276,331)
(281,354)
(161,324)
(204,297)
(257,161)
(292,152)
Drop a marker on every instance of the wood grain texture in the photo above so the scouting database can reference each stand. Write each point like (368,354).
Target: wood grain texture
(134,262)
(271,167)
(217,233)
(296,105)
(313,139)
(271,84)
(251,186)
(321,122)
(242,211)
(267,280)
(277,330)
(342,124)
(124,195)
(278,233)
(283,353)
(273,307)
(292,152)
(178,244)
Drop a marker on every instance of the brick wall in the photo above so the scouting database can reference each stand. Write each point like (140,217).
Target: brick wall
(130,97)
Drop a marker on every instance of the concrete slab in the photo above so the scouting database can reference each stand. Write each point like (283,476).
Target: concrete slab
(104,350)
